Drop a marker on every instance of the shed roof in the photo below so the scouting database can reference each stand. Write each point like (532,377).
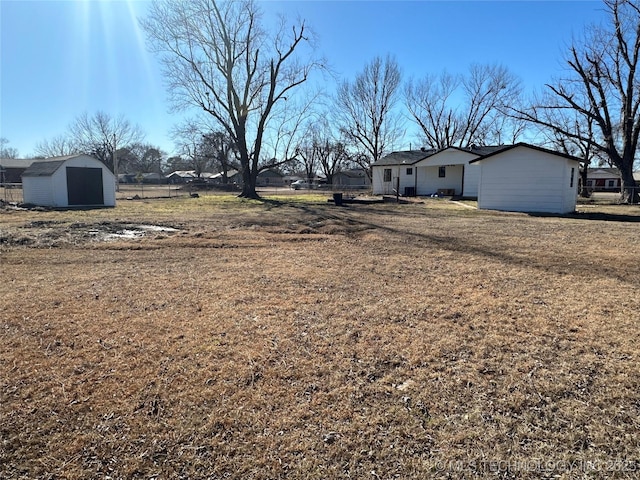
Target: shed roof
(42,168)
(526,145)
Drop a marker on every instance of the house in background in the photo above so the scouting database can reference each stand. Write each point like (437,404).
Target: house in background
(447,172)
(353,177)
(603,179)
(527,178)
(72,181)
(270,178)
(181,176)
(233,177)
(11,169)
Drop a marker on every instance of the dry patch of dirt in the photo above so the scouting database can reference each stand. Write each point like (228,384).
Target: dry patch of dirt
(55,233)
(290,340)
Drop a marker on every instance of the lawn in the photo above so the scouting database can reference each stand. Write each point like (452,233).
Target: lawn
(290,338)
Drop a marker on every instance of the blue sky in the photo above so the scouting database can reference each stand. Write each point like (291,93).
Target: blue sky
(59,59)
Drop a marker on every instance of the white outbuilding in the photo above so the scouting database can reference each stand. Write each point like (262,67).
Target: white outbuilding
(72,181)
(527,178)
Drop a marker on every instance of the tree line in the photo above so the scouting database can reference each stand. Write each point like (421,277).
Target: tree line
(255,108)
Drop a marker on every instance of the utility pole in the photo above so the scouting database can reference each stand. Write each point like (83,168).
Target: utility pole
(114,159)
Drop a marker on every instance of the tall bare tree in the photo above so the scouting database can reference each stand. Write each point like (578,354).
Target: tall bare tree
(366,110)
(480,118)
(602,86)
(218,58)
(428,101)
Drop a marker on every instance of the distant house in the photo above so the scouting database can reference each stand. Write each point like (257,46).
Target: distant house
(604,179)
(127,178)
(353,177)
(72,181)
(527,178)
(181,176)
(270,178)
(446,171)
(233,177)
(153,178)
(11,169)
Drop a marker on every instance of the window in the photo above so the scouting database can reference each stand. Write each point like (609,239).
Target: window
(573,172)
(589,183)
(612,183)
(387,174)
(409,171)
(442,172)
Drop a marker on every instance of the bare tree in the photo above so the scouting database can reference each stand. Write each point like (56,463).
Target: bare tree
(59,146)
(319,151)
(366,110)
(603,87)
(578,144)
(188,138)
(428,103)
(217,57)
(141,158)
(6,151)
(479,119)
(100,134)
(308,158)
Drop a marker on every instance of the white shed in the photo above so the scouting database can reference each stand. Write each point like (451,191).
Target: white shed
(72,181)
(527,178)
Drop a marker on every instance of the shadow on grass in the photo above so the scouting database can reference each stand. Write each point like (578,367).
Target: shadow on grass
(456,242)
(598,216)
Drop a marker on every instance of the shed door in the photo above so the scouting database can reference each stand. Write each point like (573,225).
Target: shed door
(84,186)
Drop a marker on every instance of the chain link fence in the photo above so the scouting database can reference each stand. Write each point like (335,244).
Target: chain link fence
(611,197)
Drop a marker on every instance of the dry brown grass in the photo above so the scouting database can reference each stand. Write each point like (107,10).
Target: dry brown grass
(296,339)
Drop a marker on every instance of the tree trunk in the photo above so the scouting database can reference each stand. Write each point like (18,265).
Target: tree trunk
(629,191)
(584,190)
(249,183)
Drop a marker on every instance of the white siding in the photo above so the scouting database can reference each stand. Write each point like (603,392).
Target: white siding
(380,187)
(527,180)
(429,182)
(457,162)
(37,190)
(471,180)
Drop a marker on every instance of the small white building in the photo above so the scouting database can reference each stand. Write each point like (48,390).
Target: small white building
(72,181)
(527,178)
